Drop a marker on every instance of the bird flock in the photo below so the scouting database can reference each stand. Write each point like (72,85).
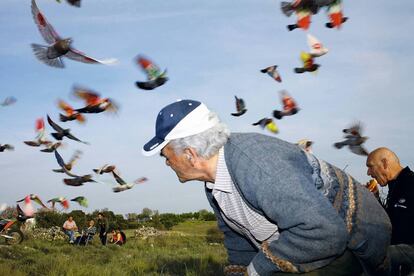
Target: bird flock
(58,48)
(52,55)
(304,9)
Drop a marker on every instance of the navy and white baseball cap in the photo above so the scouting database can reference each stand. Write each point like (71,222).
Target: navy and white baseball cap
(178,120)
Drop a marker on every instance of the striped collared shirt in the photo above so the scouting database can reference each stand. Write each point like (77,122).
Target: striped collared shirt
(235,212)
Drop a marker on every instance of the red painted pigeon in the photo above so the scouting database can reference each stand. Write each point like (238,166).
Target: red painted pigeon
(94,102)
(35,198)
(63,201)
(70,113)
(57,47)
(289,106)
(155,77)
(305,8)
(41,135)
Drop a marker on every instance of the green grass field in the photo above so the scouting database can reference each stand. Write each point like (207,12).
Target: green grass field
(182,251)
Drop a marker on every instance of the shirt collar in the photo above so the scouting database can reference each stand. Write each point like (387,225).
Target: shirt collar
(223,180)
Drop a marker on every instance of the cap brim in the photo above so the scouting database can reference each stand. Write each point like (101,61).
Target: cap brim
(154,146)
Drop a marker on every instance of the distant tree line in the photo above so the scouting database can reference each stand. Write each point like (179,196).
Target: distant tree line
(147,217)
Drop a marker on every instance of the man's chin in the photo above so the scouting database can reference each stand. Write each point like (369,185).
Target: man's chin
(182,180)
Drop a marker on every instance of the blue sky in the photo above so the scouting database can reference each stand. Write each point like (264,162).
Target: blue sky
(213,50)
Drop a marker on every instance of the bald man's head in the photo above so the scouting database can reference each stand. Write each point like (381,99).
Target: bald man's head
(383,165)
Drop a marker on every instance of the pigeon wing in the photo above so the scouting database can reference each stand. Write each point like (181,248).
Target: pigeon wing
(54,125)
(118,179)
(39,201)
(77,55)
(89,96)
(46,30)
(70,136)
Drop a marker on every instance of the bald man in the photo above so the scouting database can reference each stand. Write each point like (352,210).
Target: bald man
(385,167)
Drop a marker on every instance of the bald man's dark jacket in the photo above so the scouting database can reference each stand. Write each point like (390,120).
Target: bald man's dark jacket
(400,207)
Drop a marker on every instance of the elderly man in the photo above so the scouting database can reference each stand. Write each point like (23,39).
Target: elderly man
(384,166)
(70,227)
(281,209)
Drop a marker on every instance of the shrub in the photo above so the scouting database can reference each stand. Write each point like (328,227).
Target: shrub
(214,235)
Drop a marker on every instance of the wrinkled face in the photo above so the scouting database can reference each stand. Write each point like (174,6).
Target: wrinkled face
(180,164)
(377,170)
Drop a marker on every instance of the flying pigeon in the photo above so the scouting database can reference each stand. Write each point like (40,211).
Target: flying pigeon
(304,9)
(35,198)
(305,145)
(123,186)
(354,140)
(104,169)
(289,106)
(240,106)
(155,77)
(76,180)
(63,201)
(267,123)
(6,147)
(70,113)
(62,132)
(57,47)
(28,208)
(68,166)
(272,72)
(8,101)
(51,147)
(316,47)
(336,17)
(41,135)
(308,64)
(94,102)
(81,200)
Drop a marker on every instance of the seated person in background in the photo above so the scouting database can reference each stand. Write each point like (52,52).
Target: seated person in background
(118,238)
(87,233)
(384,166)
(69,227)
(113,236)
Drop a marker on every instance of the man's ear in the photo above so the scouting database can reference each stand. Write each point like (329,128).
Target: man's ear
(191,155)
(384,162)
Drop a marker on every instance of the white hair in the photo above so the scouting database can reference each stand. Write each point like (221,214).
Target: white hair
(206,143)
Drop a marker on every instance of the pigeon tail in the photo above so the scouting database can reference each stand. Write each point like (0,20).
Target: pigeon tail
(286,8)
(299,70)
(277,114)
(338,145)
(40,52)
(292,27)
(63,118)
